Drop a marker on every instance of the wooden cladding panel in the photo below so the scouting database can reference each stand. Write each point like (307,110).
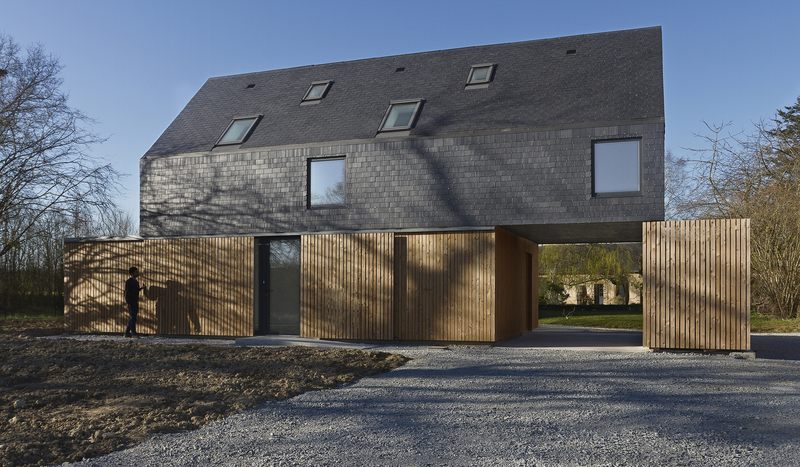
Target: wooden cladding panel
(201,286)
(346,286)
(444,286)
(196,286)
(512,304)
(697,284)
(94,275)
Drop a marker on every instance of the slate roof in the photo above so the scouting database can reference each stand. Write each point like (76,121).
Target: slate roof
(613,76)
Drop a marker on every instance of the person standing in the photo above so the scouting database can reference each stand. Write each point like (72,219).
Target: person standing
(132,290)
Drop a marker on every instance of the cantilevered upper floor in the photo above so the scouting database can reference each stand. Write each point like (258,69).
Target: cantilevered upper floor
(539,136)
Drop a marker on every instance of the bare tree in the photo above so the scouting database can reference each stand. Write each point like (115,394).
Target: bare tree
(758,176)
(679,195)
(44,166)
(115,223)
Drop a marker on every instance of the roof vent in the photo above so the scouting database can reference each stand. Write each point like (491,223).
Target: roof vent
(251,86)
(571,51)
(400,68)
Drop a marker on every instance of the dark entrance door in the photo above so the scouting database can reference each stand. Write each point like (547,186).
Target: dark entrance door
(278,302)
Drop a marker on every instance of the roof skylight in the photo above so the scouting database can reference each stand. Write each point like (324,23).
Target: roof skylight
(481,74)
(401,115)
(317,90)
(238,130)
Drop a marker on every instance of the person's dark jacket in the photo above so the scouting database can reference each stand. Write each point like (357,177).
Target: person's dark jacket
(132,290)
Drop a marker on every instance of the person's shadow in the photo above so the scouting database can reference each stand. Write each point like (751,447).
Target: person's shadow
(175,311)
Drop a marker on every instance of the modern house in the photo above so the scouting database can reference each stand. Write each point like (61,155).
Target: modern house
(398,197)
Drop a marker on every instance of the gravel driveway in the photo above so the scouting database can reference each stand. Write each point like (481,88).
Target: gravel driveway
(516,406)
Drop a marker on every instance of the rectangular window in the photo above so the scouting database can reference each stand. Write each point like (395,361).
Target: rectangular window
(238,130)
(616,166)
(326,182)
(401,115)
(598,294)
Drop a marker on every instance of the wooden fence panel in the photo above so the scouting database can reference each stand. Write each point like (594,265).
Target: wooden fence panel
(696,284)
(196,286)
(445,286)
(383,286)
(512,304)
(94,275)
(346,286)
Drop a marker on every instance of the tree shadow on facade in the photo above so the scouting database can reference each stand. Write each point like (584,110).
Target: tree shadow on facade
(176,313)
(94,284)
(199,285)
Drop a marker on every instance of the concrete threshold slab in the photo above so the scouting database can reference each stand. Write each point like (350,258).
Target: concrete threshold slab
(551,328)
(624,349)
(282,340)
(556,337)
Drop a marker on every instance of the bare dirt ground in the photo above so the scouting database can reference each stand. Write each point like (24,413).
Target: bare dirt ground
(65,400)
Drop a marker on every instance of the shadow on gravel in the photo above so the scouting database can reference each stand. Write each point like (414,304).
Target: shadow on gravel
(776,346)
(705,396)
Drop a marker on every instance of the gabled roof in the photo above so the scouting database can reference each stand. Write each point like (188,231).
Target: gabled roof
(611,77)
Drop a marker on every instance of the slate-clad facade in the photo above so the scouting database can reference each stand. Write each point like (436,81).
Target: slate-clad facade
(515,153)
(534,177)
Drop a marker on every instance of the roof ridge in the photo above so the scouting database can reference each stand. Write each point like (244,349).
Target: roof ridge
(500,44)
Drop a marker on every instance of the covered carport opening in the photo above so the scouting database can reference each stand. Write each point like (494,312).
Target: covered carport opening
(695,277)
(536,334)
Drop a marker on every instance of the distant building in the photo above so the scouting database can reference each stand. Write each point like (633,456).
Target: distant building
(604,292)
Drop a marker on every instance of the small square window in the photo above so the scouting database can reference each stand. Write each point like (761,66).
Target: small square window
(480,74)
(616,166)
(238,130)
(317,90)
(401,115)
(326,182)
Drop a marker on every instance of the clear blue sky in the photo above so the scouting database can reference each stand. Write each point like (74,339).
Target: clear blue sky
(133,65)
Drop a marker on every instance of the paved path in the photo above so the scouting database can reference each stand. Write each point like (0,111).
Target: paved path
(776,346)
(516,406)
(553,336)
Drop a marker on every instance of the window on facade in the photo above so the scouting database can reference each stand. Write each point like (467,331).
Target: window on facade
(480,74)
(326,182)
(598,294)
(238,130)
(616,166)
(401,115)
(317,90)
(582,295)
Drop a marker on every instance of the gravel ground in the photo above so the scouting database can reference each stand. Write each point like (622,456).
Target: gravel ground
(515,406)
(64,399)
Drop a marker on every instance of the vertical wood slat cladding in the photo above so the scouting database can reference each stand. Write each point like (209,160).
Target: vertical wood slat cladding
(346,288)
(511,264)
(444,286)
(697,284)
(95,274)
(196,286)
